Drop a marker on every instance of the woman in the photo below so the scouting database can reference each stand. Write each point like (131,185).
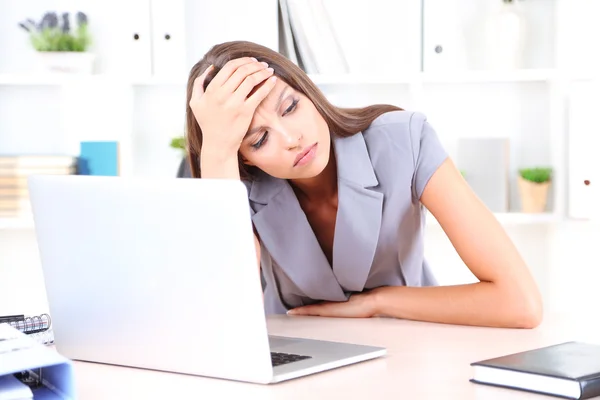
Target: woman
(336,198)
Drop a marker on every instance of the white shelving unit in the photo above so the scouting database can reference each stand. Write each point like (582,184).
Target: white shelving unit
(139,99)
(513,218)
(510,219)
(532,75)
(389,44)
(390,62)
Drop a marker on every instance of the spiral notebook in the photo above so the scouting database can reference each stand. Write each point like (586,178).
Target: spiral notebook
(37,327)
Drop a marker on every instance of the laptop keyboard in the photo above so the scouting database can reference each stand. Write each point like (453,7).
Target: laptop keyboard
(285,358)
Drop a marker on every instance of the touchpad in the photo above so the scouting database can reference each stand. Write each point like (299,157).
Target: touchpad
(279,342)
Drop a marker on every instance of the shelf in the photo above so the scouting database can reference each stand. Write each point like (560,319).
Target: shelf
(161,81)
(14,223)
(483,76)
(362,79)
(512,218)
(60,79)
(504,218)
(402,78)
(532,75)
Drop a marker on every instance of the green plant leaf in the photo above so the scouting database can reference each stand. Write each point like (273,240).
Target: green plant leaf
(537,174)
(54,39)
(179,144)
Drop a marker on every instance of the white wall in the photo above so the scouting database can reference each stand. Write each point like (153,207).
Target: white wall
(383,45)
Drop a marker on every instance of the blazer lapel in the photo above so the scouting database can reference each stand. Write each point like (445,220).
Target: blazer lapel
(286,233)
(359,213)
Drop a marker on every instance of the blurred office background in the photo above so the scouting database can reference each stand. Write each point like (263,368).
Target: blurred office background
(510,87)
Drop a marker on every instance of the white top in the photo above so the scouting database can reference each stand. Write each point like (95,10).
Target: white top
(424,361)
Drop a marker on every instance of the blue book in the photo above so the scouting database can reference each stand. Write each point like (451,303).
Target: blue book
(29,369)
(99,158)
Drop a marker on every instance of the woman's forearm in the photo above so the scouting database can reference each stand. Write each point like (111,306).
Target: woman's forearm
(481,304)
(218,165)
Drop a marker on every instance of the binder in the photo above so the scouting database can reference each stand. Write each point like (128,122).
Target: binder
(583,161)
(212,22)
(136,38)
(30,370)
(444,42)
(168,37)
(121,37)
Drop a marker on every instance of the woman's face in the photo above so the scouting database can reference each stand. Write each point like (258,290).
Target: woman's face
(287,137)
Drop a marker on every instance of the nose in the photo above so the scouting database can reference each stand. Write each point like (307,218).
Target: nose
(291,139)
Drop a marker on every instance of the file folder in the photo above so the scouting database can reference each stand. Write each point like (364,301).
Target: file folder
(30,369)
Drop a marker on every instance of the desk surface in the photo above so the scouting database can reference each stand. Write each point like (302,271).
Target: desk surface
(424,361)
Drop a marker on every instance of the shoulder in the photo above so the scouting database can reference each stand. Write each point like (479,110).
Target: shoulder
(399,131)
(397,124)
(405,141)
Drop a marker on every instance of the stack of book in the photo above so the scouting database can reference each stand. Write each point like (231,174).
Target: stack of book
(14,171)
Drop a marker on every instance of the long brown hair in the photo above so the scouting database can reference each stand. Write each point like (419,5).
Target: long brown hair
(342,122)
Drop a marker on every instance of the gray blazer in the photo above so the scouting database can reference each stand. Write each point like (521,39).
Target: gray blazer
(379,228)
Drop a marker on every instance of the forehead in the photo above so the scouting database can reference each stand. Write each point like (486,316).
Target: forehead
(279,92)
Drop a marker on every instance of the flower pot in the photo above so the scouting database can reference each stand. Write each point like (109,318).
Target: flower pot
(533,195)
(71,62)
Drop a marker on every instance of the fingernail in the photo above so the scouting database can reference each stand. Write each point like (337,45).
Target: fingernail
(291,312)
(265,64)
(252,58)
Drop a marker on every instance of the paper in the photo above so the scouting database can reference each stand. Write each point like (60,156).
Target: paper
(13,389)
(21,353)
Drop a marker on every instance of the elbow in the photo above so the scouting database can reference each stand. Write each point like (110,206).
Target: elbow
(523,307)
(530,318)
(527,311)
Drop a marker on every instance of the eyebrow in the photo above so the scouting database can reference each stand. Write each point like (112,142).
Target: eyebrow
(279,100)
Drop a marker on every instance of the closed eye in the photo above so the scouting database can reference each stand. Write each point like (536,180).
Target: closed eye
(291,108)
(261,141)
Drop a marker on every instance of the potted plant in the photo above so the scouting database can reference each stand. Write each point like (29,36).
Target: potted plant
(534,184)
(61,44)
(178,143)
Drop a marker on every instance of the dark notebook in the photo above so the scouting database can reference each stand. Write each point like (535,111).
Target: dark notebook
(570,370)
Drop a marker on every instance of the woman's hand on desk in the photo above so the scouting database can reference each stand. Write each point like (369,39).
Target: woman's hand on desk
(360,305)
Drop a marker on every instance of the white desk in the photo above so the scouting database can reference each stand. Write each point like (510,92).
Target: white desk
(424,361)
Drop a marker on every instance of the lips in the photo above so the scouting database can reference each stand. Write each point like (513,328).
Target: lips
(303,153)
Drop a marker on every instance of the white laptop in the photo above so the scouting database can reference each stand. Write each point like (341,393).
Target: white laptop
(161,274)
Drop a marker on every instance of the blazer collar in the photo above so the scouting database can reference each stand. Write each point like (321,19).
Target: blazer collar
(287,234)
(353,161)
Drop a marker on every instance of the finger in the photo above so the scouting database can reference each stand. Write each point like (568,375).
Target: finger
(320,309)
(305,310)
(261,93)
(251,82)
(241,74)
(229,68)
(198,89)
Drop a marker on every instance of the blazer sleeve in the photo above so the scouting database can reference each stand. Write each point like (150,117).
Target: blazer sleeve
(427,151)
